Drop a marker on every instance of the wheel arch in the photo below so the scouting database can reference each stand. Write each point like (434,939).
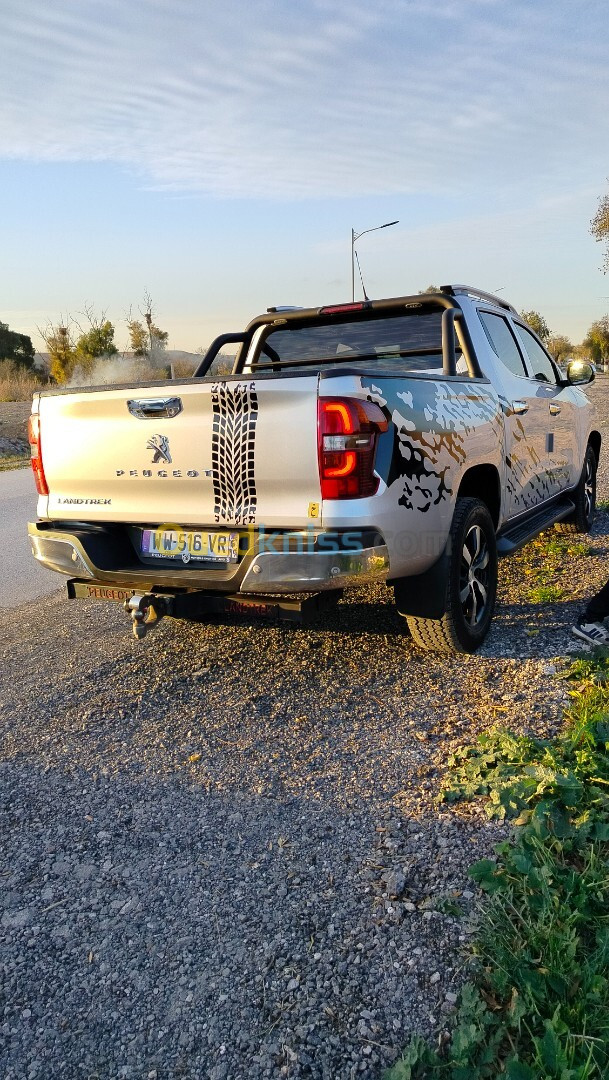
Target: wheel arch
(482,482)
(470,585)
(425,595)
(594,440)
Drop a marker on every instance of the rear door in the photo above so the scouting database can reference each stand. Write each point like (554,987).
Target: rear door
(201,453)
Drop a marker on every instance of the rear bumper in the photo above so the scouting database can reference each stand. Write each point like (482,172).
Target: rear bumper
(300,572)
(103,556)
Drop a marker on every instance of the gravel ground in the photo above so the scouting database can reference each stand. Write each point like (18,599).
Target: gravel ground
(14,416)
(221,856)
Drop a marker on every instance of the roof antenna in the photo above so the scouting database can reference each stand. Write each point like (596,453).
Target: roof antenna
(360,275)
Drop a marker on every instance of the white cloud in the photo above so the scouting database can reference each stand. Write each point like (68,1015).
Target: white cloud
(273,98)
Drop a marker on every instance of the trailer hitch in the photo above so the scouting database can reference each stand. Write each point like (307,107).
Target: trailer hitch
(146,610)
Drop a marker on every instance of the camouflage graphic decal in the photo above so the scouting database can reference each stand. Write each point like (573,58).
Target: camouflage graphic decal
(431,439)
(528,483)
(235,412)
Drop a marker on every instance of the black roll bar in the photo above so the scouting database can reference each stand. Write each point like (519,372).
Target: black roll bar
(214,349)
(450,316)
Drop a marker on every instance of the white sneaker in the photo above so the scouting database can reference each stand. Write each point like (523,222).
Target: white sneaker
(595,633)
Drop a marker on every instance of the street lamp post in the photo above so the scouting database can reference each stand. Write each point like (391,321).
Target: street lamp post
(355,236)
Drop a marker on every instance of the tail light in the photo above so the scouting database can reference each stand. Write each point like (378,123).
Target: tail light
(347,434)
(36,452)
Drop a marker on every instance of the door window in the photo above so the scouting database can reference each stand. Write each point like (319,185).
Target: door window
(502,342)
(541,365)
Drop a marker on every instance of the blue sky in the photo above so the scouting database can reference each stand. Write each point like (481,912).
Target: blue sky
(218,155)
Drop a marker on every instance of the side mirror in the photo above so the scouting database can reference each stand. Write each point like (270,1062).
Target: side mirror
(579,372)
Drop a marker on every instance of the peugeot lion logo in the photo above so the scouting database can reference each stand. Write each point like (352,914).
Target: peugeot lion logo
(160,445)
(162,456)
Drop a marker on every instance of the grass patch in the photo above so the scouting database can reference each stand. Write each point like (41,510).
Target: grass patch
(17,383)
(537,1007)
(16,461)
(543,564)
(545,594)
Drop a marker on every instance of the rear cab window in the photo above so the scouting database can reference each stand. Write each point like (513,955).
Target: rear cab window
(400,343)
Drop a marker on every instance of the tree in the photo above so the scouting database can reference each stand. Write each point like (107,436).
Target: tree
(537,323)
(146,340)
(158,338)
(96,342)
(70,346)
(597,340)
(59,341)
(559,347)
(139,340)
(599,227)
(16,347)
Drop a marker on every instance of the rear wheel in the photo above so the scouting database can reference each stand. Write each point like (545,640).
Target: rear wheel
(471,585)
(582,517)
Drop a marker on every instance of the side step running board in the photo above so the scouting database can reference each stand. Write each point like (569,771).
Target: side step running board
(515,536)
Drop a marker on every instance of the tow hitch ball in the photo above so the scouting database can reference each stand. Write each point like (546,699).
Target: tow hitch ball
(146,610)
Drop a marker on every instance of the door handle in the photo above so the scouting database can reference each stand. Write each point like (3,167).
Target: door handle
(554,409)
(155,408)
(519,407)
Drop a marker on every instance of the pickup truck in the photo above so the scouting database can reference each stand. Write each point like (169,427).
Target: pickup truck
(410,440)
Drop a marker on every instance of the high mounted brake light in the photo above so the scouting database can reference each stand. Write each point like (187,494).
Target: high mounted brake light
(36,454)
(347,434)
(338,309)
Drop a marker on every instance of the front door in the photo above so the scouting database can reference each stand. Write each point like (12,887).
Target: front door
(526,420)
(559,410)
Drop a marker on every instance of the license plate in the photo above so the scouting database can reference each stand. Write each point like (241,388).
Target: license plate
(190,545)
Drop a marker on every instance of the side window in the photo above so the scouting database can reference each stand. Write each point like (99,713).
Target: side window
(541,365)
(502,342)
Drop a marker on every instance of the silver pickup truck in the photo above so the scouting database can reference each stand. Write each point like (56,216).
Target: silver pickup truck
(409,440)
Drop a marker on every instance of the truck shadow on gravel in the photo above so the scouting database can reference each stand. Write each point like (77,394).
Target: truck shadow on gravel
(519,630)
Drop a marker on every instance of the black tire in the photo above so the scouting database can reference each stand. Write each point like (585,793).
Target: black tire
(471,586)
(582,517)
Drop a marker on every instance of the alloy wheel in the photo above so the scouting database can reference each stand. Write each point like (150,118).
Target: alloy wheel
(474,576)
(589,488)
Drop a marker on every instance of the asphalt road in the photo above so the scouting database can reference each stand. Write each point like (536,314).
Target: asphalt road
(22,578)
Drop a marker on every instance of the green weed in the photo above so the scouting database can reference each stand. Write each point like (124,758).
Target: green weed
(544,594)
(543,562)
(537,1007)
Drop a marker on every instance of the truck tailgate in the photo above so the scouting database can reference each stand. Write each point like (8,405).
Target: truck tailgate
(236,451)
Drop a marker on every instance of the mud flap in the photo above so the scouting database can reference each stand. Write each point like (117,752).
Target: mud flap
(424,596)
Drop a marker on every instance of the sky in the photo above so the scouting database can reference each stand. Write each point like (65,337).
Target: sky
(216,156)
